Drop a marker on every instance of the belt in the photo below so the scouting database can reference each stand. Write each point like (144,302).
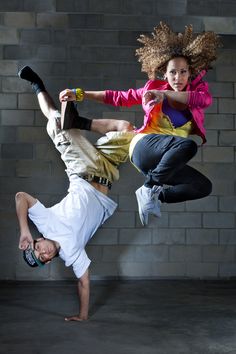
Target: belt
(101,180)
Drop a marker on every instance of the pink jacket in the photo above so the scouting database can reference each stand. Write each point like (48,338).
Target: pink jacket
(199,98)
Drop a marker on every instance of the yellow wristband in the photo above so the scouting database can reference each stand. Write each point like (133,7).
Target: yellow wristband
(79,94)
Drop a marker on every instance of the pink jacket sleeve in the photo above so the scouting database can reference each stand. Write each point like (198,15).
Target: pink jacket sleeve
(200,97)
(124,98)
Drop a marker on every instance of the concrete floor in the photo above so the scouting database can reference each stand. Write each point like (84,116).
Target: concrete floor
(126,317)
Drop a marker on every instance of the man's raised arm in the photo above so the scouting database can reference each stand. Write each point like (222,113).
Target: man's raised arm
(24,201)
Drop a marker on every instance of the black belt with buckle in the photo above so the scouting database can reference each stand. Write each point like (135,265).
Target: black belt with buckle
(101,180)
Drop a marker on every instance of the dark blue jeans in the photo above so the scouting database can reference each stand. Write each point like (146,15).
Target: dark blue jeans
(163,160)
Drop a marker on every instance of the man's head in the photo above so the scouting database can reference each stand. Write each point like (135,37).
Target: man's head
(42,253)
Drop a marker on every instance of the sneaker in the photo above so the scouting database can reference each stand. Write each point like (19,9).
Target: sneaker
(69,115)
(148,202)
(28,74)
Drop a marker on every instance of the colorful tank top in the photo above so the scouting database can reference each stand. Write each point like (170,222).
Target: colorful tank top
(166,120)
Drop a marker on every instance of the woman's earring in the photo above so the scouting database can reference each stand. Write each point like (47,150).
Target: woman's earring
(164,77)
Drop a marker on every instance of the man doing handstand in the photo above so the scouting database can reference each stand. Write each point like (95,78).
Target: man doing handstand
(68,226)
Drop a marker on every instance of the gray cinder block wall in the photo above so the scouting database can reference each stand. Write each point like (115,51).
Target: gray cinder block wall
(91,44)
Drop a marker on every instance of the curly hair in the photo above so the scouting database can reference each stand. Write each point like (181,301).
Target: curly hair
(164,45)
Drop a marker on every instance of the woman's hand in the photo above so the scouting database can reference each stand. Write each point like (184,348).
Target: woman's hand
(67,95)
(154,97)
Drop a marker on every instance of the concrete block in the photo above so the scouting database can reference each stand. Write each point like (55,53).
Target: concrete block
(40,119)
(14,5)
(185,220)
(227,237)
(135,269)
(52,20)
(128,203)
(112,6)
(227,138)
(8,218)
(168,236)
(213,108)
(221,187)
(27,101)
(86,38)
(227,203)
(19,19)
(202,237)
(46,152)
(218,220)
(202,8)
(135,237)
(221,253)
(33,168)
(226,57)
(17,151)
(58,271)
(168,270)
(9,36)
(121,219)
(7,203)
(7,135)
(94,252)
(48,52)
(13,84)
(31,135)
(227,105)
(212,138)
(218,154)
(39,6)
(219,121)
(8,101)
(8,67)
(227,270)
(179,253)
(131,70)
(221,25)
(154,222)
(171,8)
(220,89)
(131,22)
(98,270)
(227,8)
(105,237)
(128,38)
(12,117)
(69,5)
(32,36)
(57,168)
(175,207)
(206,204)
(216,171)
(118,254)
(85,21)
(19,52)
(225,73)
(154,253)
(7,168)
(103,54)
(139,8)
(45,185)
(176,22)
(202,270)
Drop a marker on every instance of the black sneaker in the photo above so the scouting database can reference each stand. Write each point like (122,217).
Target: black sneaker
(28,74)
